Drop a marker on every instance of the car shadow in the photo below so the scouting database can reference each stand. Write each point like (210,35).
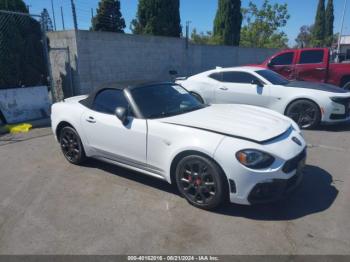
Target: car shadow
(315,194)
(334,127)
(132,175)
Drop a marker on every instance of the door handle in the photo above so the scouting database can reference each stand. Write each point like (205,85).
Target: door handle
(224,88)
(91,120)
(321,69)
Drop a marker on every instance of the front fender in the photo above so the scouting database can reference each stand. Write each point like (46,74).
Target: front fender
(166,141)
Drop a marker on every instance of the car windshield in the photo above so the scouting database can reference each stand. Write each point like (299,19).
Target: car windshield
(273,77)
(164,100)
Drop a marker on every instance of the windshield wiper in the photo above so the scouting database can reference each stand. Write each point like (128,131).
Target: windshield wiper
(193,109)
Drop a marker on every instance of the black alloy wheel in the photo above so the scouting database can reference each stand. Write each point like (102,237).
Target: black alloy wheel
(305,113)
(201,182)
(71,146)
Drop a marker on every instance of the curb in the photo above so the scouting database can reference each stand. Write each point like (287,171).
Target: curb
(45,122)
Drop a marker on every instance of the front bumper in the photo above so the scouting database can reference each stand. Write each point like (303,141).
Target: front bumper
(338,111)
(279,188)
(248,186)
(274,190)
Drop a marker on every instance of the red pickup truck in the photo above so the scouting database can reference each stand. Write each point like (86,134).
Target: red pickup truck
(310,64)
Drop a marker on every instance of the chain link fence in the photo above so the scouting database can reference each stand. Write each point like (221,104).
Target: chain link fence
(24,52)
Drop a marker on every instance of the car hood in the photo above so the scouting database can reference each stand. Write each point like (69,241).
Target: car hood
(317,86)
(241,121)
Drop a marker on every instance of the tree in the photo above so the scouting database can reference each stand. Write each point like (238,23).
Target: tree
(263,25)
(21,52)
(205,38)
(228,22)
(320,25)
(46,21)
(329,25)
(109,17)
(304,38)
(13,5)
(158,17)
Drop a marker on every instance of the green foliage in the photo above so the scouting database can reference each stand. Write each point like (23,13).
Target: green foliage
(262,28)
(228,22)
(205,38)
(329,25)
(304,38)
(158,17)
(46,21)
(318,32)
(21,52)
(109,17)
(13,5)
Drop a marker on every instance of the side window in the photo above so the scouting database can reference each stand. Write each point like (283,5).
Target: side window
(216,76)
(348,54)
(108,100)
(311,57)
(238,77)
(283,59)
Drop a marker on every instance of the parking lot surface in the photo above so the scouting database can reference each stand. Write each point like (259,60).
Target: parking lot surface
(48,206)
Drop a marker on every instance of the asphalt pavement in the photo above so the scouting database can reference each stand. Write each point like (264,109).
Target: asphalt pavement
(48,206)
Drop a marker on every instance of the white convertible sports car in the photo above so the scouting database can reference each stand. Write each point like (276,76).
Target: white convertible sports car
(243,153)
(306,103)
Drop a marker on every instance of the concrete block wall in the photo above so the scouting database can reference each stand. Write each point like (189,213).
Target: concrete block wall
(63,73)
(24,104)
(109,57)
(101,57)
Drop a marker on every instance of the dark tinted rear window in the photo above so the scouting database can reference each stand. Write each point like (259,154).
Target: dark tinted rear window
(311,57)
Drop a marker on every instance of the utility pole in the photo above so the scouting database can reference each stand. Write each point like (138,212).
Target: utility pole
(341,29)
(74,16)
(64,28)
(187,33)
(53,15)
(92,14)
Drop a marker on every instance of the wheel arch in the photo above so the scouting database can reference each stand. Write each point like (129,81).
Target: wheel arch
(299,99)
(344,80)
(185,153)
(62,125)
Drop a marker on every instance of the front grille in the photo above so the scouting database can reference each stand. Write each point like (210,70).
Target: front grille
(292,164)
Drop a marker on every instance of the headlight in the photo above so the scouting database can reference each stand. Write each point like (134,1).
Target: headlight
(338,99)
(254,159)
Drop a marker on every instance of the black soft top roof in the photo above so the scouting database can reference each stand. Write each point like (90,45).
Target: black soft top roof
(88,102)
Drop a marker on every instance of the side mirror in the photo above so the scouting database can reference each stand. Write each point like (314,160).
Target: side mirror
(256,82)
(122,114)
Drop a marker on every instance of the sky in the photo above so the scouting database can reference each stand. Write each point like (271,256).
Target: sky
(201,13)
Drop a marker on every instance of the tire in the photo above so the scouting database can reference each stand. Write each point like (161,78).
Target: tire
(198,97)
(347,86)
(305,113)
(71,146)
(201,182)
